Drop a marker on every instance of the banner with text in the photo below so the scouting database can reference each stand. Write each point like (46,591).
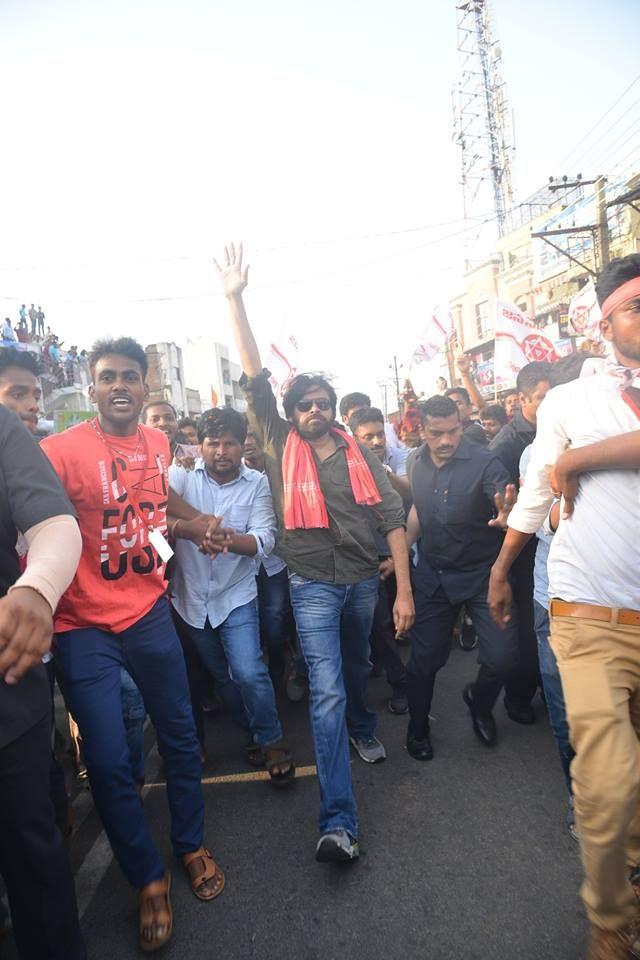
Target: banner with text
(518,342)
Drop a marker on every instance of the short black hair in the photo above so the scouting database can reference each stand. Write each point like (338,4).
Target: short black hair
(157,403)
(301,385)
(464,393)
(438,406)
(351,400)
(494,411)
(25,359)
(187,422)
(216,422)
(615,274)
(366,415)
(511,392)
(532,374)
(123,347)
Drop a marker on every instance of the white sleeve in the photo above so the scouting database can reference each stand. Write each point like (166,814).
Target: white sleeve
(536,497)
(177,479)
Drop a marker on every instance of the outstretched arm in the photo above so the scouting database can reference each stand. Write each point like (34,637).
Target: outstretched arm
(233,280)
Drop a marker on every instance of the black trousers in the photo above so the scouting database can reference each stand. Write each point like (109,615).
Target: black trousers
(431,645)
(524,681)
(33,860)
(384,647)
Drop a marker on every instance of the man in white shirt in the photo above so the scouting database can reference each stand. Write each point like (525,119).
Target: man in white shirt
(594,583)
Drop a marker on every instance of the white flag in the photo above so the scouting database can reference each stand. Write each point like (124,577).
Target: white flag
(517,343)
(584,313)
(284,364)
(436,334)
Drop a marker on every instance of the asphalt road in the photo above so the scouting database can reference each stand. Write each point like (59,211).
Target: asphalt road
(463,857)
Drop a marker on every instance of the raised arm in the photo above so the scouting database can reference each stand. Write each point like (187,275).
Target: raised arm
(233,280)
(464,366)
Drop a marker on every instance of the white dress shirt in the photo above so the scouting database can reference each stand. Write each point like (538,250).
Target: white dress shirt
(595,554)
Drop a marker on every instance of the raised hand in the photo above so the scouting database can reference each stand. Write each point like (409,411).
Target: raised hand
(504,505)
(463,363)
(233,276)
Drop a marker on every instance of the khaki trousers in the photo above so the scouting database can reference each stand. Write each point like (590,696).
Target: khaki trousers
(599,665)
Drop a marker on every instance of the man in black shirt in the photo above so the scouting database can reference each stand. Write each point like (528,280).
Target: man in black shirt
(456,486)
(32,856)
(532,384)
(471,428)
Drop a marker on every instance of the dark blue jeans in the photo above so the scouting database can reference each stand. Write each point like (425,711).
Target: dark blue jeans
(553,692)
(274,605)
(334,625)
(150,650)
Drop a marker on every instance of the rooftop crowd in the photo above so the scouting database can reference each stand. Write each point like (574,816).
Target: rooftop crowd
(146,560)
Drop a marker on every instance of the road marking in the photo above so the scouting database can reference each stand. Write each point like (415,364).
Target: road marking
(243,777)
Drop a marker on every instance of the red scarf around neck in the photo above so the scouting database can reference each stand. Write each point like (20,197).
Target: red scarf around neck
(304,506)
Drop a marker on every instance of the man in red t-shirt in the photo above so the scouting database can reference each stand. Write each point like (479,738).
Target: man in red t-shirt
(115,615)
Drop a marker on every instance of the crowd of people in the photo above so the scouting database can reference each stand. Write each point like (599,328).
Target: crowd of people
(166,557)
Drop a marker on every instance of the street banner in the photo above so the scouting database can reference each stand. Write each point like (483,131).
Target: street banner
(518,342)
(584,313)
(434,337)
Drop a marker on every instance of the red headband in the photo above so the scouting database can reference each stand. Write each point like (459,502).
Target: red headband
(628,291)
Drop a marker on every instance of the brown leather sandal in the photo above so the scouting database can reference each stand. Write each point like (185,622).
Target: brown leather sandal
(154,914)
(210,871)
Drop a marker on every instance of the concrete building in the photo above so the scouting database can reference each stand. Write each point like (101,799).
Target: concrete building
(166,378)
(216,377)
(539,279)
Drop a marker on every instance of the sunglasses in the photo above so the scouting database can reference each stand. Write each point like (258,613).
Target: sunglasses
(305,405)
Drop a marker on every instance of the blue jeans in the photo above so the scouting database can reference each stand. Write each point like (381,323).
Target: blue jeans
(553,691)
(231,652)
(134,715)
(274,605)
(334,625)
(91,661)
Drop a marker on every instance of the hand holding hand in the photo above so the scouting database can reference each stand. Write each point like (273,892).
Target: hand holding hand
(26,628)
(233,276)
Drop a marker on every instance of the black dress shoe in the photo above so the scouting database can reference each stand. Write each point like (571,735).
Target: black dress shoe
(520,712)
(484,726)
(419,748)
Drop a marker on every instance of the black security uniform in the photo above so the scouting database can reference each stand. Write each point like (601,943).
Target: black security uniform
(33,860)
(457,549)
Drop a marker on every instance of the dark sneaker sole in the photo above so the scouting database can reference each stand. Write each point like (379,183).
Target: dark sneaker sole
(331,852)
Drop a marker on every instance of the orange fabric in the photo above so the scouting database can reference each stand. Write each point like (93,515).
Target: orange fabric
(119,487)
(304,506)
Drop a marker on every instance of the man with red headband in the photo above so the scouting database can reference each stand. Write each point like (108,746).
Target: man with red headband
(594,584)
(323,485)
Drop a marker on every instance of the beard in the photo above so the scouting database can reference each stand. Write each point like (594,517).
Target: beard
(315,430)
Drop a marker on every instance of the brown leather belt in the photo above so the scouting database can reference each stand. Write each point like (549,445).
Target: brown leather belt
(627,618)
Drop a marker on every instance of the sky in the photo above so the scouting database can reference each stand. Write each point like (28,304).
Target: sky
(140,137)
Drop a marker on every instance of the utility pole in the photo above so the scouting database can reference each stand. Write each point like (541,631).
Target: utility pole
(603,223)
(396,377)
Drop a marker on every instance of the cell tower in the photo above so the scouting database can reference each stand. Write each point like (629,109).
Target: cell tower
(481,118)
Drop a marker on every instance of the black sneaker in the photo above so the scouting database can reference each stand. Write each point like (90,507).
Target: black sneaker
(337,846)
(398,703)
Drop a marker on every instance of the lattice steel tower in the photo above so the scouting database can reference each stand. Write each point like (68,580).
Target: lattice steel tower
(481,118)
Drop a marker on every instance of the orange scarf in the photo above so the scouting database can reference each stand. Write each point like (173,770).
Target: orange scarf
(304,506)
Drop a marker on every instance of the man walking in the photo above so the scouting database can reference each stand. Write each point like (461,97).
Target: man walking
(115,615)
(217,601)
(322,484)
(456,485)
(595,608)
(532,383)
